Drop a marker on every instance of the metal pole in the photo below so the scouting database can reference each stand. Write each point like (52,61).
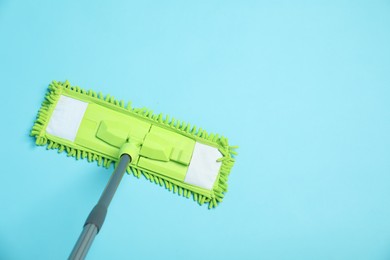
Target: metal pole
(84,242)
(96,218)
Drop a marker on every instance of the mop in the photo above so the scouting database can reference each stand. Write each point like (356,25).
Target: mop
(173,154)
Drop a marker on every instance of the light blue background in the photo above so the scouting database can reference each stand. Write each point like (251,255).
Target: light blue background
(302,88)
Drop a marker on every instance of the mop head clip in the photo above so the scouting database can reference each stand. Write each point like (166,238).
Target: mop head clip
(173,154)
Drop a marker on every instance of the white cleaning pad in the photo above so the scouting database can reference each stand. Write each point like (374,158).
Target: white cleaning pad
(204,168)
(66,118)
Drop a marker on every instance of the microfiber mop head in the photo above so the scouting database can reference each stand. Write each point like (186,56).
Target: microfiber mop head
(168,152)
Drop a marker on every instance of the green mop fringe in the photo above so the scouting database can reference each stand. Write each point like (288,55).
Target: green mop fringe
(228,152)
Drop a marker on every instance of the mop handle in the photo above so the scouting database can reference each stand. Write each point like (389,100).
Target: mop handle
(96,218)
